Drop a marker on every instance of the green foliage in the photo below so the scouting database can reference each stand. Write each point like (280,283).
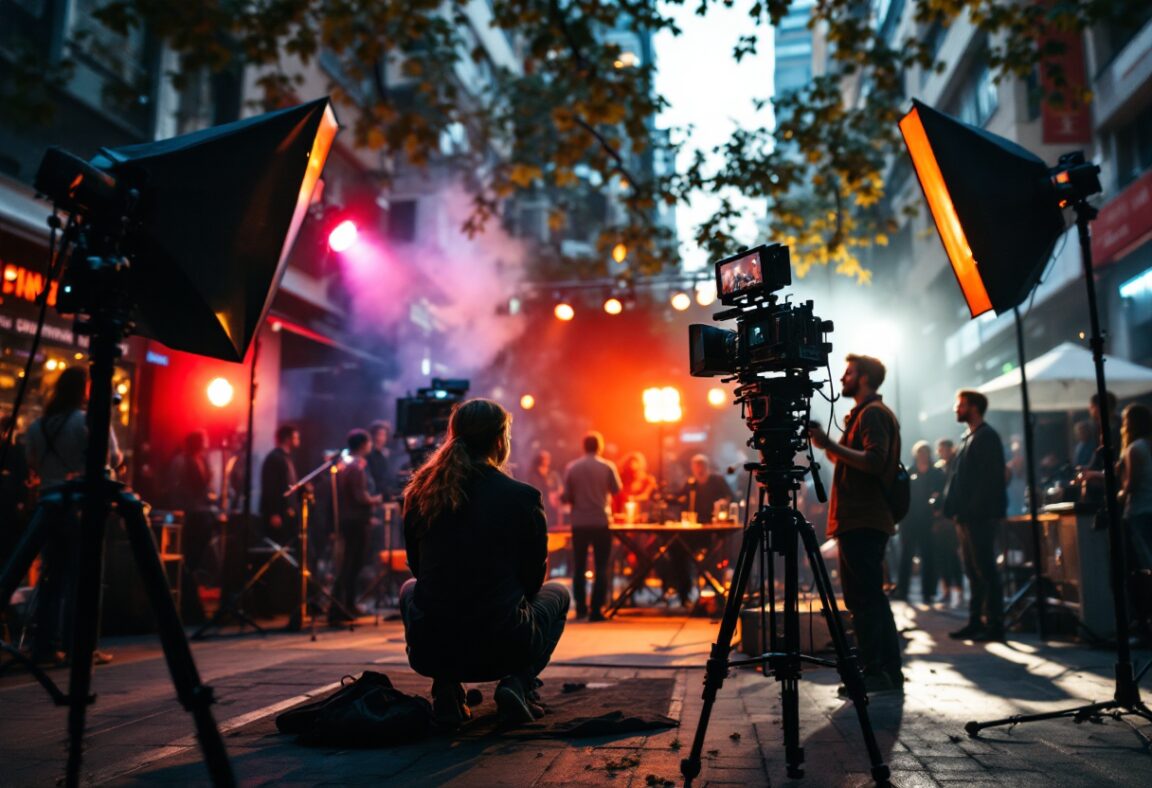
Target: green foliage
(577,118)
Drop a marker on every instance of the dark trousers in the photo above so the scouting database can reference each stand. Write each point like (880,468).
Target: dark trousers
(355,533)
(56,597)
(862,579)
(547,611)
(916,540)
(600,538)
(978,550)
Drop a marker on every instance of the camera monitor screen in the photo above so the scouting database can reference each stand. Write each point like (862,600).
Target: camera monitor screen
(764,269)
(739,275)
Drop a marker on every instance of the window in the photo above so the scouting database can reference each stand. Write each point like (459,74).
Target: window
(402,221)
(1133,145)
(978,96)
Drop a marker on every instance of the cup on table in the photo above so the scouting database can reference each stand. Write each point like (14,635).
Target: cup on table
(689,518)
(630,510)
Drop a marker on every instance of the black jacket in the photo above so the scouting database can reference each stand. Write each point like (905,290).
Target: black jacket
(477,567)
(978,488)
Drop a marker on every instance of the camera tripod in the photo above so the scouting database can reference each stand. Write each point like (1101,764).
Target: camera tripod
(97,497)
(770,407)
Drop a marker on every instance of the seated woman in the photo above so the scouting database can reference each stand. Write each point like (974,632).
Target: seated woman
(477,608)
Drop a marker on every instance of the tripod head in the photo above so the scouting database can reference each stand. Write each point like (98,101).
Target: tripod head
(776,412)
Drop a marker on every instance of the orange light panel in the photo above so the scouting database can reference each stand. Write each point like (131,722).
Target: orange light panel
(662,405)
(944,214)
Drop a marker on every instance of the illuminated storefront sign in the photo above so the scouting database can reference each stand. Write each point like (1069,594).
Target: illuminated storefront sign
(21,283)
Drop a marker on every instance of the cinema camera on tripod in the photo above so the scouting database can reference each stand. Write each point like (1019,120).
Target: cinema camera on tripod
(770,354)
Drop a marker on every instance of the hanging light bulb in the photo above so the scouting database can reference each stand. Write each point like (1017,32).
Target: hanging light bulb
(613,306)
(564,311)
(681,301)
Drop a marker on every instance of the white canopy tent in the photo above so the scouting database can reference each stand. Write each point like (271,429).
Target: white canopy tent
(1064,378)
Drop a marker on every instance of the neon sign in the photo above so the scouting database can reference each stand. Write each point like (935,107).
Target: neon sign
(24,284)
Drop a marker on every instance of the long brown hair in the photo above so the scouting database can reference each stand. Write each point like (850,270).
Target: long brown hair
(1136,424)
(437,487)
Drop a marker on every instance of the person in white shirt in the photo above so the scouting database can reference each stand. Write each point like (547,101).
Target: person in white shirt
(589,484)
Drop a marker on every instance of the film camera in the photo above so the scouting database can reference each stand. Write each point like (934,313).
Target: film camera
(422,420)
(770,336)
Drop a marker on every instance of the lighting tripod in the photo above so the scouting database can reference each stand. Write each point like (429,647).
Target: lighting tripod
(97,497)
(773,408)
(1126,696)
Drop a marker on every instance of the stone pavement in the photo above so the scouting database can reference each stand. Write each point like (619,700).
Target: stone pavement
(137,733)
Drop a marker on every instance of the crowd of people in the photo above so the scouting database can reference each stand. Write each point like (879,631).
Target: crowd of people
(477,539)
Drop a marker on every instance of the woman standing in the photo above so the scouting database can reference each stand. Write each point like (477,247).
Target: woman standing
(57,443)
(1136,492)
(478,608)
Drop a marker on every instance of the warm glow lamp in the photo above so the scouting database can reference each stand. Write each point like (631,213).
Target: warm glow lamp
(993,204)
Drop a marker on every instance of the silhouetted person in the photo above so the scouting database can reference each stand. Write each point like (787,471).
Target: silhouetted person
(1136,497)
(379,460)
(916,536)
(56,446)
(280,515)
(589,484)
(190,491)
(354,503)
(977,499)
(478,608)
(859,518)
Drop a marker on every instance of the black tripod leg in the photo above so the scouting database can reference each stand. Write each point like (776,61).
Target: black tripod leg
(717,668)
(29,546)
(846,662)
(787,667)
(86,622)
(194,696)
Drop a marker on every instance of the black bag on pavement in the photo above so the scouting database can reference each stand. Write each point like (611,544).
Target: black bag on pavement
(365,712)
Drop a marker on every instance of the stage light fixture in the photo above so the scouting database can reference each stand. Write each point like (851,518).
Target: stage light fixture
(706,293)
(220,392)
(681,301)
(995,205)
(613,306)
(717,397)
(527,402)
(564,311)
(343,236)
(662,405)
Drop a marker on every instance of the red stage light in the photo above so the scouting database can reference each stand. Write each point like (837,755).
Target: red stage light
(343,236)
(220,392)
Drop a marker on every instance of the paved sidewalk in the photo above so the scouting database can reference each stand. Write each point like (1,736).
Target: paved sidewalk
(138,733)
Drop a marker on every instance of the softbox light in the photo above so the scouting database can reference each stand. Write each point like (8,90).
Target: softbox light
(213,215)
(993,203)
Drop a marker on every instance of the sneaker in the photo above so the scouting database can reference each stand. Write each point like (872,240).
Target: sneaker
(449,704)
(101,657)
(964,633)
(512,705)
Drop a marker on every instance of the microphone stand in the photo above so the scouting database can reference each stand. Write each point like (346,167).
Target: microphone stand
(306,500)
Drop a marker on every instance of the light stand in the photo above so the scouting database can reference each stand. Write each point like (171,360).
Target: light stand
(233,606)
(1037,581)
(1126,697)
